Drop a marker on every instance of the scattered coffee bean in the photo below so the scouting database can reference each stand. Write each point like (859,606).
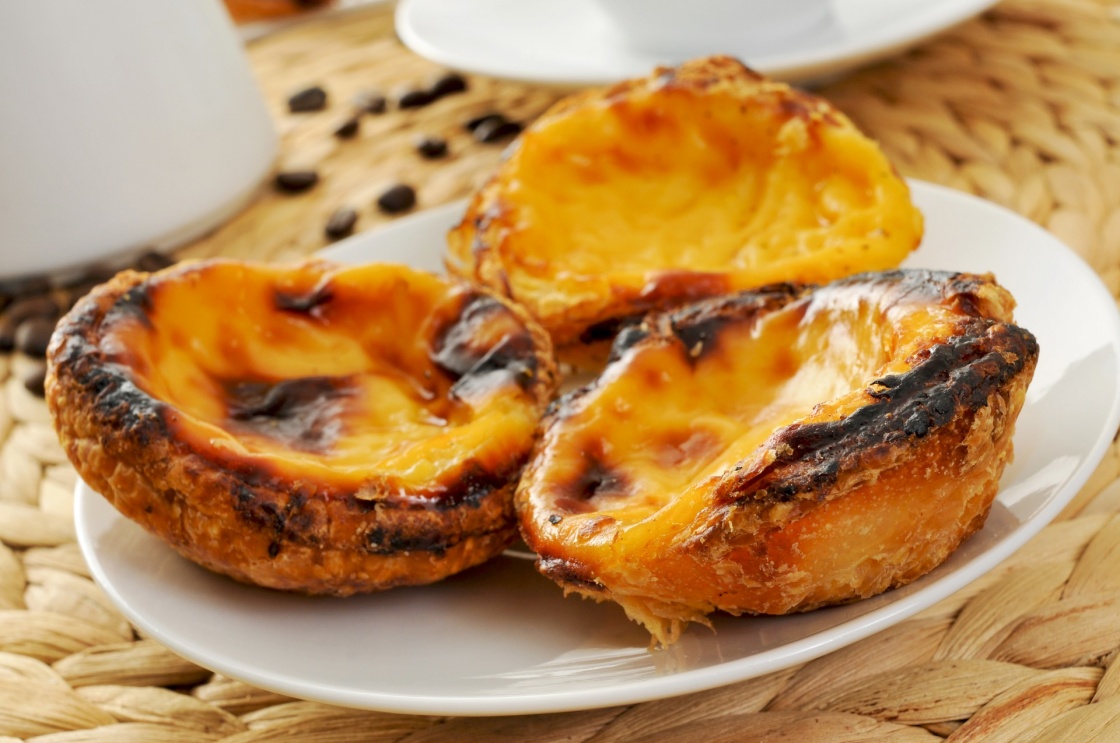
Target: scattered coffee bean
(40,305)
(397,199)
(448,84)
(341,223)
(371,102)
(477,121)
(30,309)
(295,181)
(308,99)
(98,274)
(414,98)
(34,335)
(152,261)
(21,310)
(348,128)
(431,148)
(496,130)
(25,287)
(34,379)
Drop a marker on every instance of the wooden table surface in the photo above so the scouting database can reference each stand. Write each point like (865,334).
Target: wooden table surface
(1020,105)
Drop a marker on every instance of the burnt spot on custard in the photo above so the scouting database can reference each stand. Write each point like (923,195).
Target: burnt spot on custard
(627,338)
(698,326)
(596,477)
(951,379)
(135,304)
(459,351)
(608,329)
(303,413)
(307,303)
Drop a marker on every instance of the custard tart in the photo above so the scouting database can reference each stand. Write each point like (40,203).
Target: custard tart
(783,449)
(309,427)
(694,181)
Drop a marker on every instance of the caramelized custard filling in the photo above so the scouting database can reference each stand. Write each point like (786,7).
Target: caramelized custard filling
(669,418)
(679,179)
(321,373)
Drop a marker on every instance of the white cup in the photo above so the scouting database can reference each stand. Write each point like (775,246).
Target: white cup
(124,125)
(687,28)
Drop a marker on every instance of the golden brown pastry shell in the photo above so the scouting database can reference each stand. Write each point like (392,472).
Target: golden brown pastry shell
(279,508)
(694,181)
(699,474)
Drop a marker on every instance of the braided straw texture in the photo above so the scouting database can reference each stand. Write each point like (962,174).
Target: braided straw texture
(1019,106)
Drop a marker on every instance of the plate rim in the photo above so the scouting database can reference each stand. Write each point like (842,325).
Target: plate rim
(686,682)
(802,65)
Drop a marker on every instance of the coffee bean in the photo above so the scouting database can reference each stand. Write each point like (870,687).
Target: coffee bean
(370,101)
(93,274)
(152,261)
(21,310)
(348,128)
(41,305)
(341,223)
(34,335)
(496,130)
(295,181)
(308,99)
(34,379)
(448,84)
(26,287)
(477,121)
(414,98)
(431,148)
(397,199)
(7,336)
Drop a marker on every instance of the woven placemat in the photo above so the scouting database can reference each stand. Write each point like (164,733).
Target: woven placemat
(1019,106)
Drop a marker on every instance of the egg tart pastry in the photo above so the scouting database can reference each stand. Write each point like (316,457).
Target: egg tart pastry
(309,427)
(782,449)
(694,181)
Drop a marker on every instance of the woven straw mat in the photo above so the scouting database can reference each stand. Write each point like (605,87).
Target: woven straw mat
(1019,106)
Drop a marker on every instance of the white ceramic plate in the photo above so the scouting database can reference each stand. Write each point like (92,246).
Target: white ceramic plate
(568,42)
(501,639)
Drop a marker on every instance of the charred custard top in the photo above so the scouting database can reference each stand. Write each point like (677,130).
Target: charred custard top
(376,376)
(733,385)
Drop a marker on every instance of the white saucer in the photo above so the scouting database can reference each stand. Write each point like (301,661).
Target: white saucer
(501,639)
(567,42)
